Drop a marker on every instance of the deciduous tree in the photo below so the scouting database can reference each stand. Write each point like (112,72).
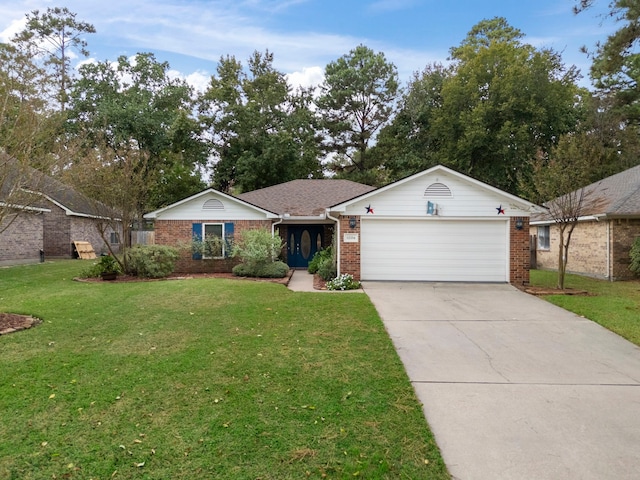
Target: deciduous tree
(134,105)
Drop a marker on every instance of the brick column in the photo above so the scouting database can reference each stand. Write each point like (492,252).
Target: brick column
(519,252)
(350,251)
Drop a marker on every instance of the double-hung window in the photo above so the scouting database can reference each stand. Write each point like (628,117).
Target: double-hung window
(213,239)
(543,237)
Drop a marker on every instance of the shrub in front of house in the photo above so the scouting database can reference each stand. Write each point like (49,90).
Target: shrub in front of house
(104,265)
(258,252)
(268,270)
(151,261)
(343,282)
(320,257)
(634,254)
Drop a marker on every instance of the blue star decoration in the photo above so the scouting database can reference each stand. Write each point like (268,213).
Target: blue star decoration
(500,210)
(370,210)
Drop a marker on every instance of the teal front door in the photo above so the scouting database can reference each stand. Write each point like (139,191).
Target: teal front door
(302,243)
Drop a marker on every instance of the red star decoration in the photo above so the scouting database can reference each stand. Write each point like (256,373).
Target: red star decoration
(500,210)
(370,210)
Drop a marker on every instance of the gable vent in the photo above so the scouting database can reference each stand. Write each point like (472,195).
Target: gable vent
(213,204)
(437,190)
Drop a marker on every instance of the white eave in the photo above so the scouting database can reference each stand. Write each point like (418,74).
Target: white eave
(522,203)
(153,215)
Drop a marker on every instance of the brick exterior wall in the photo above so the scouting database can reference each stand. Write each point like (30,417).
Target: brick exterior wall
(350,252)
(519,251)
(22,240)
(591,242)
(519,255)
(57,230)
(85,230)
(623,233)
(178,233)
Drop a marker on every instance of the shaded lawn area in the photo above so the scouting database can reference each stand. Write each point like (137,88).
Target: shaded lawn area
(614,305)
(201,378)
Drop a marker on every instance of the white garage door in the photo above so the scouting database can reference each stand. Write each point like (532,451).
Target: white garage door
(434,250)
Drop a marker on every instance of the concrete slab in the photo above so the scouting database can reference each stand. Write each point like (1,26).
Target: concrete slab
(513,386)
(528,432)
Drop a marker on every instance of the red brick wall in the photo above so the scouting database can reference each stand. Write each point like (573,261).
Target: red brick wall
(519,252)
(178,233)
(350,252)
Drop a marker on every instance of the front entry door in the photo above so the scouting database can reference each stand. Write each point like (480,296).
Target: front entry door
(303,242)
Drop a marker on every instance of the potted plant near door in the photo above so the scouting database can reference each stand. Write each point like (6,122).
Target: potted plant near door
(108,267)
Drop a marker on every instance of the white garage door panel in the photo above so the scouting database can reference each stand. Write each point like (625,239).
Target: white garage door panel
(434,250)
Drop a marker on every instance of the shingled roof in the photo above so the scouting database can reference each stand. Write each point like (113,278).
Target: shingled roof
(614,196)
(41,185)
(305,198)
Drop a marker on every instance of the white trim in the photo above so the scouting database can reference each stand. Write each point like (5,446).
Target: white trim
(585,218)
(338,241)
(521,203)
(25,207)
(154,214)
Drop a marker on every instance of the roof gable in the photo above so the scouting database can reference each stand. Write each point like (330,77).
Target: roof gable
(451,193)
(211,204)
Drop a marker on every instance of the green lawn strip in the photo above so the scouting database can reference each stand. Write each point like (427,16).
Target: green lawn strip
(614,305)
(201,379)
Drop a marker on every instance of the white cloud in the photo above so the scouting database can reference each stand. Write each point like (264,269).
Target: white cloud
(308,77)
(10,31)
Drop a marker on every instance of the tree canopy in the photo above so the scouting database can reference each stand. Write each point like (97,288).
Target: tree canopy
(358,98)
(262,133)
(499,105)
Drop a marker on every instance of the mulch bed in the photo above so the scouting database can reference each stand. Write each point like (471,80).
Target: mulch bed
(319,283)
(13,322)
(542,291)
(188,276)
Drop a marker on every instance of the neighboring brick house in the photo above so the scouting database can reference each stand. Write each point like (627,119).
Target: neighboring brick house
(51,217)
(437,225)
(608,225)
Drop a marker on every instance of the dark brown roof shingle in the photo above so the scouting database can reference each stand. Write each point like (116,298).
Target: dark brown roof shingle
(301,198)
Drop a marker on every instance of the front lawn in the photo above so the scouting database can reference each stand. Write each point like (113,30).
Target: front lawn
(614,305)
(201,378)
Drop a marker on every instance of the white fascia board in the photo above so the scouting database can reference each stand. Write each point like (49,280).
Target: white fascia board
(25,208)
(525,205)
(154,214)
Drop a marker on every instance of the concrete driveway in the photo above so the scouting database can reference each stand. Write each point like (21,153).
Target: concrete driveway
(514,387)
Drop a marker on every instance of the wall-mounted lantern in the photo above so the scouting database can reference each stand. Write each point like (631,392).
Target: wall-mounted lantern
(352,222)
(519,224)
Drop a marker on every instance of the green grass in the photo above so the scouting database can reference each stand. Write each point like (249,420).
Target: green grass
(201,378)
(614,305)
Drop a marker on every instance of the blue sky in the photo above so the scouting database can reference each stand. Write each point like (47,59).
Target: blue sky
(304,35)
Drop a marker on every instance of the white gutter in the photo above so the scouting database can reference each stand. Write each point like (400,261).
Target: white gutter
(337,241)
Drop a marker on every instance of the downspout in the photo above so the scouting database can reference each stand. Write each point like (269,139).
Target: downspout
(337,241)
(609,251)
(273,231)
(274,225)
